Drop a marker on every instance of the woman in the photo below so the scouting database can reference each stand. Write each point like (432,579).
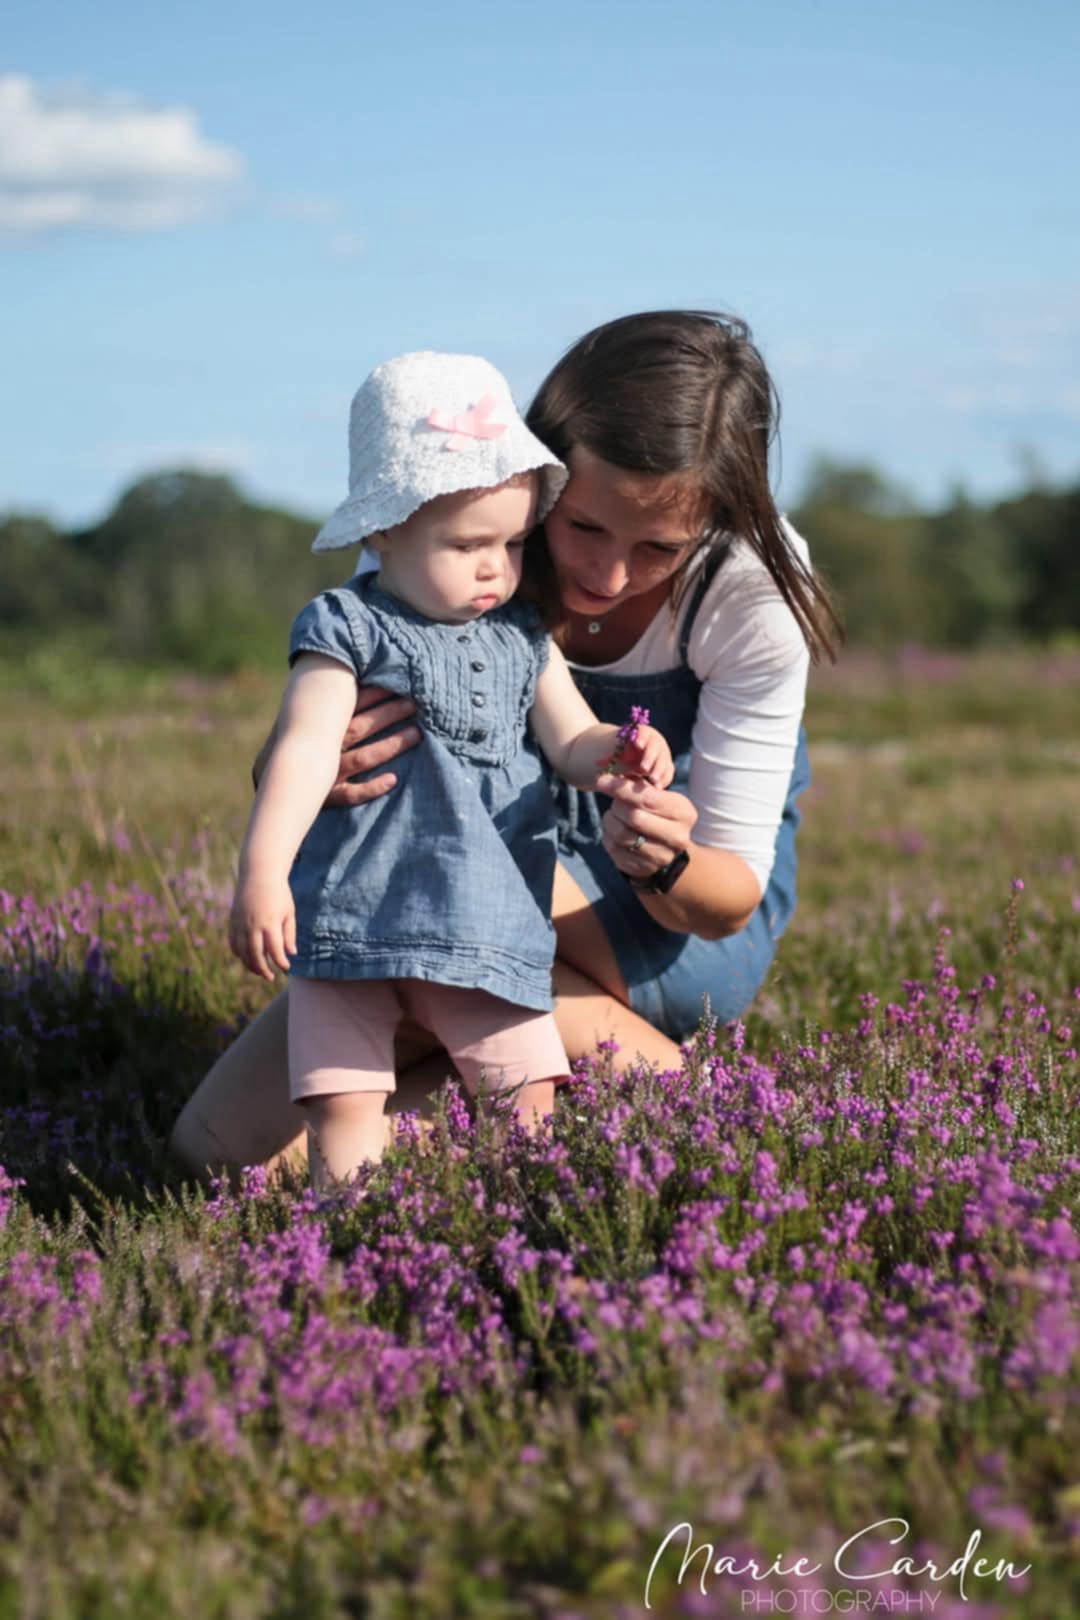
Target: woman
(682,590)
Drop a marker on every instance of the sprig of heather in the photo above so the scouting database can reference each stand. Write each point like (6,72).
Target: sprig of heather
(626,734)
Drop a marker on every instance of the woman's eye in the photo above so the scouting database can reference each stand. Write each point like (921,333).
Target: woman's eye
(585,528)
(515,545)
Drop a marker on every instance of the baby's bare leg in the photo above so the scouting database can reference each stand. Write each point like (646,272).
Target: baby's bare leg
(345,1130)
(534,1101)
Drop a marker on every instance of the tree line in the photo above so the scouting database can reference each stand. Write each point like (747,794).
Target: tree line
(185,569)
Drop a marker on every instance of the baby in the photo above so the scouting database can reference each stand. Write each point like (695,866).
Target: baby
(432,901)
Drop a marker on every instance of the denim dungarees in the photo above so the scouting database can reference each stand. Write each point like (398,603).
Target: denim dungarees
(667,973)
(448,878)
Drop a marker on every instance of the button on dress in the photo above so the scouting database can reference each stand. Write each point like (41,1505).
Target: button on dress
(448,876)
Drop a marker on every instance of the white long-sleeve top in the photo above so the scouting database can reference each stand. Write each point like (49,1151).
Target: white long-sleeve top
(749,654)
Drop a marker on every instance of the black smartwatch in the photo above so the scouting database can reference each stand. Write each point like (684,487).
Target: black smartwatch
(664,880)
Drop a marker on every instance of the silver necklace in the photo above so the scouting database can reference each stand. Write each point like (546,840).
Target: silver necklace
(593,627)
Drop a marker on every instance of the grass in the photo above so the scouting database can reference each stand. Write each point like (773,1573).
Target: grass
(824,1276)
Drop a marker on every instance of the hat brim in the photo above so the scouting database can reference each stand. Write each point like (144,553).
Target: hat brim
(359,516)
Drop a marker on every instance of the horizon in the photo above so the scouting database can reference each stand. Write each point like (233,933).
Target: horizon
(1036,483)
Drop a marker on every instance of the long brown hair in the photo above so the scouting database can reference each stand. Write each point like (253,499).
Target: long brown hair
(684,394)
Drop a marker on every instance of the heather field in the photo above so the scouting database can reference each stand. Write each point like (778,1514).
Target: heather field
(817,1288)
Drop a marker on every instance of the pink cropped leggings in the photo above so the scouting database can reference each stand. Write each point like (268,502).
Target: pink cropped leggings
(341,1035)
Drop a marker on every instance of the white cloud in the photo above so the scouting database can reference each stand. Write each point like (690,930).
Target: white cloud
(70,157)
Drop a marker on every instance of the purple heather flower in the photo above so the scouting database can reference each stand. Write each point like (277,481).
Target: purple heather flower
(627,732)
(638,717)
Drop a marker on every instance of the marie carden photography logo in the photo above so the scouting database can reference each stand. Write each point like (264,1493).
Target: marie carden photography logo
(851,1582)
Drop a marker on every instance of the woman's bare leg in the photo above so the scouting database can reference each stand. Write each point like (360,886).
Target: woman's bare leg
(422,1069)
(241,1112)
(592,1001)
(586,1014)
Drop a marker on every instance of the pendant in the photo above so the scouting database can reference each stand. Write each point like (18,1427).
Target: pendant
(594,627)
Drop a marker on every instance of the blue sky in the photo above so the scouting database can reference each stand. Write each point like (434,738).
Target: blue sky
(214,219)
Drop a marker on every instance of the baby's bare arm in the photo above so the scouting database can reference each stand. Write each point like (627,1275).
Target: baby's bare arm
(362,747)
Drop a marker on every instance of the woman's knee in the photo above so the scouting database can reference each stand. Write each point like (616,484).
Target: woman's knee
(241,1114)
(195,1150)
(180,1147)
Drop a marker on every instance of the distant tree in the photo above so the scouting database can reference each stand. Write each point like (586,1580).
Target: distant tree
(972,573)
(1042,533)
(189,570)
(185,569)
(865,539)
(42,582)
(857,487)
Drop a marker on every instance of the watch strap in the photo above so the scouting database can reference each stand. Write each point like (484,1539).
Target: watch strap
(663,880)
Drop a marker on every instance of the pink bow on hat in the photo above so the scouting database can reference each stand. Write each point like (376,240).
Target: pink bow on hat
(470,424)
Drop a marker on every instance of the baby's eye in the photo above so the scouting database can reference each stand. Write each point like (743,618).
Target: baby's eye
(515,545)
(586,528)
(464,546)
(658,548)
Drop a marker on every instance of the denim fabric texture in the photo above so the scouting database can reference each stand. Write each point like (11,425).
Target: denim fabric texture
(667,974)
(448,877)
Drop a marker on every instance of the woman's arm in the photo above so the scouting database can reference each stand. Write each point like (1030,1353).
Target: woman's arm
(302,767)
(575,742)
(752,660)
(718,892)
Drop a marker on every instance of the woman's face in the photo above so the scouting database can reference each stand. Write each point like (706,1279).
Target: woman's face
(617,534)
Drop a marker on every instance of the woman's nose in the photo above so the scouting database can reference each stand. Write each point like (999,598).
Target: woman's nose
(610,577)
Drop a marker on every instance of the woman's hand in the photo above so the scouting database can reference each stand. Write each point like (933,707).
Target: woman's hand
(718,893)
(663,821)
(262,925)
(362,748)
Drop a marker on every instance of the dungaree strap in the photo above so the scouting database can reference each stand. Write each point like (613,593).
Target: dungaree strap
(705,578)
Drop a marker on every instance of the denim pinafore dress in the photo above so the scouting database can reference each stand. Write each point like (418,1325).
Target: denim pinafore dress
(667,973)
(448,878)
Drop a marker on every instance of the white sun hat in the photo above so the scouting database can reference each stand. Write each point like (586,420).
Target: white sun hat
(430,424)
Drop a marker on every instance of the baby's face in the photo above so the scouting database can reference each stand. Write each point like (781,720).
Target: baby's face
(460,555)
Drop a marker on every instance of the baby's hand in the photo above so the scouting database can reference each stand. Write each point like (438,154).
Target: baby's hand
(262,925)
(645,754)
